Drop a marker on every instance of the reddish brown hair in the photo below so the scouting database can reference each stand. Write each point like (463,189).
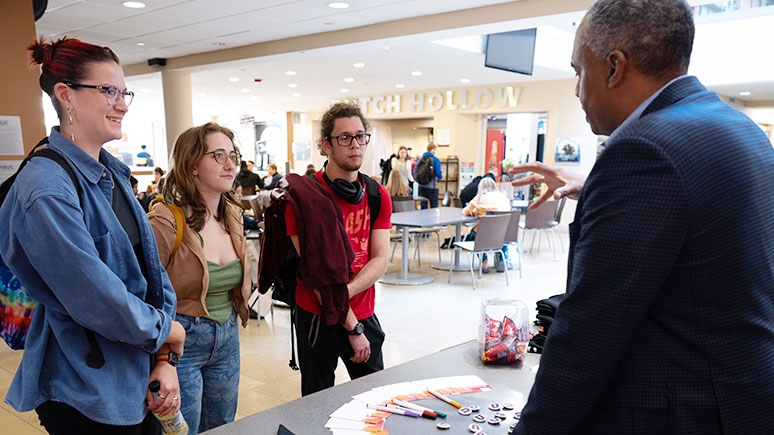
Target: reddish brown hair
(65,60)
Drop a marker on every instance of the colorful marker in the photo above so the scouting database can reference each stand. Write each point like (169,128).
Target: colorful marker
(394,410)
(426,413)
(416,407)
(445,399)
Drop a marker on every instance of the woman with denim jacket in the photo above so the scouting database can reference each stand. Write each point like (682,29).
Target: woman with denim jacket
(87,254)
(210,270)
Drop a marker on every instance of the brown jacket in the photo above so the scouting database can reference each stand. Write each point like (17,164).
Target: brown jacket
(188,269)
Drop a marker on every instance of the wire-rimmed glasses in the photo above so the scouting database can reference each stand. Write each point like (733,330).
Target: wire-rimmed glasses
(221,155)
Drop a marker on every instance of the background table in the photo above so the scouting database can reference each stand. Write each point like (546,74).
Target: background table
(431,217)
(308,415)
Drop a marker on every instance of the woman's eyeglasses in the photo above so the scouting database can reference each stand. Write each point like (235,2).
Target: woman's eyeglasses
(345,140)
(112,93)
(221,156)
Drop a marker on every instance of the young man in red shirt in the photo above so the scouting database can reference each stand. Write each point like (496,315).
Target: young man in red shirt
(358,339)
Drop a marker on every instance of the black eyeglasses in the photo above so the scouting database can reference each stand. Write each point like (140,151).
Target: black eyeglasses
(112,93)
(345,140)
(220,156)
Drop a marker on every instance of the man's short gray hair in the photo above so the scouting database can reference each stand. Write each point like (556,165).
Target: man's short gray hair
(655,35)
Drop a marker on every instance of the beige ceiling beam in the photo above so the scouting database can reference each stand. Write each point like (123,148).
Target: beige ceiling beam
(516,10)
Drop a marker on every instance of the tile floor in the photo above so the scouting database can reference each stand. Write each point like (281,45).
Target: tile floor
(418,320)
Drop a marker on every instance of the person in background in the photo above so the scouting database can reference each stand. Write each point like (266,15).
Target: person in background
(158,179)
(430,190)
(144,157)
(396,186)
(488,199)
(310,169)
(471,189)
(135,189)
(355,335)
(248,180)
(659,276)
(251,166)
(404,165)
(249,222)
(95,273)
(273,177)
(210,271)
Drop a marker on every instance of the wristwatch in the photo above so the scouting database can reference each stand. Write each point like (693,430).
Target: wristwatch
(172,358)
(358,330)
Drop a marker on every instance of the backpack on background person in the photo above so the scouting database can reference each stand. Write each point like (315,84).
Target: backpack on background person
(424,171)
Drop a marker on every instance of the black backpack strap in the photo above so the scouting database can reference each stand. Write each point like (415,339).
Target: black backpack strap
(374,197)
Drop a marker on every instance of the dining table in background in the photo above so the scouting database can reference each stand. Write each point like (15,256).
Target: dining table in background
(431,217)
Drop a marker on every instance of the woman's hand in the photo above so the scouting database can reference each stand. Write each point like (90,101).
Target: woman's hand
(168,397)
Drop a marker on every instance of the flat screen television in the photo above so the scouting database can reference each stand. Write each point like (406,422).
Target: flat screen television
(511,51)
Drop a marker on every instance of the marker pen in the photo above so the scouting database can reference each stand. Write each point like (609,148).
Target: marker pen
(445,399)
(394,410)
(422,409)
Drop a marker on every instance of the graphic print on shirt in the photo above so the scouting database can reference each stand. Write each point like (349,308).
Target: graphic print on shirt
(357,223)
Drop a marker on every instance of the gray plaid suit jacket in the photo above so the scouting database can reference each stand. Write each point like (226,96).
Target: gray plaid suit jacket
(668,327)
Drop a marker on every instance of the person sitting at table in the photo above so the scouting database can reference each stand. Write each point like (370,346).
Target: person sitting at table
(273,176)
(395,185)
(248,179)
(471,189)
(487,199)
(249,222)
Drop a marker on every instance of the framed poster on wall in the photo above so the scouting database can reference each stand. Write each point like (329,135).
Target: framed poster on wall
(567,150)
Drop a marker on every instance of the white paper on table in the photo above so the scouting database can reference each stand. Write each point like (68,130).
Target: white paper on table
(353,410)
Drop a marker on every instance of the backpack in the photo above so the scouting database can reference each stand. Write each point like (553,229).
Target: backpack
(16,305)
(283,286)
(423,174)
(180,222)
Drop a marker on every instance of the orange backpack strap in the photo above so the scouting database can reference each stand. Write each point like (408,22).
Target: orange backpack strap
(180,225)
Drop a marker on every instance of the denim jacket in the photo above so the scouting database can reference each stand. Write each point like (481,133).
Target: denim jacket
(75,258)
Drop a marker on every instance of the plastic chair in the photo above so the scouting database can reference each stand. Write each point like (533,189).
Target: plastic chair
(489,238)
(512,234)
(540,221)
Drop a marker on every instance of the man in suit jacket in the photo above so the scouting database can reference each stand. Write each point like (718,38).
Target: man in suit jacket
(668,325)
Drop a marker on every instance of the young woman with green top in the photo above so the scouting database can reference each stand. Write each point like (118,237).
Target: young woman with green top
(209,270)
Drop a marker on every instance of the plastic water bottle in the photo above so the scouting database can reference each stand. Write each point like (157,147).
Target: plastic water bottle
(171,424)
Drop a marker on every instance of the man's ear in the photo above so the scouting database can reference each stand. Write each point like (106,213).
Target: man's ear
(617,62)
(326,146)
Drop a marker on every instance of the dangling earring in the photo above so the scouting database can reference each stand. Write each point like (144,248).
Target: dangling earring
(70,118)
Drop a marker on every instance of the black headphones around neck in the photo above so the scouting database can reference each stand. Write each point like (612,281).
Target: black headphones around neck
(351,192)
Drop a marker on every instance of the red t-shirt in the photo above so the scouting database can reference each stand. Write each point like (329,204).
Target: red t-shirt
(357,222)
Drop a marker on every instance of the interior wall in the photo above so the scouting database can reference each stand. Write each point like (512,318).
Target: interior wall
(18,82)
(413,138)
